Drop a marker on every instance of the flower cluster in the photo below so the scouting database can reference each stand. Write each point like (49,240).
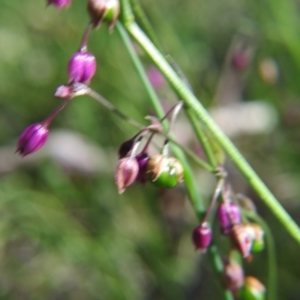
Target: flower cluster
(81,69)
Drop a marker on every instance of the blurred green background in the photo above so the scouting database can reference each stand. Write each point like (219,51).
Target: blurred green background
(65,233)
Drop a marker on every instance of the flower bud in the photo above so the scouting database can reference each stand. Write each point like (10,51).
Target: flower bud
(242,239)
(164,171)
(32,139)
(202,236)
(233,275)
(126,173)
(59,3)
(253,289)
(81,67)
(228,214)
(142,159)
(126,147)
(257,236)
(104,10)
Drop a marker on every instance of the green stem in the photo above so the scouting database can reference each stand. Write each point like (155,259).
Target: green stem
(192,102)
(202,139)
(191,185)
(219,267)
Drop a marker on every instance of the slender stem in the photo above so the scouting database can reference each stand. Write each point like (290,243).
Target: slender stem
(191,185)
(219,267)
(202,139)
(191,101)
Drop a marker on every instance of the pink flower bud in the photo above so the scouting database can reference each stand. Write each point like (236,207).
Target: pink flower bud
(82,67)
(59,3)
(32,139)
(228,214)
(155,77)
(242,239)
(126,173)
(233,275)
(202,236)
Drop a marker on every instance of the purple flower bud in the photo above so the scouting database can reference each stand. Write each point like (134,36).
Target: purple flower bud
(126,147)
(202,236)
(32,139)
(126,173)
(82,67)
(228,214)
(59,3)
(142,160)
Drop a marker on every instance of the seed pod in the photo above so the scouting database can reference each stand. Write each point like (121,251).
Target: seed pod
(202,236)
(228,215)
(104,10)
(257,236)
(253,289)
(81,67)
(241,239)
(164,171)
(126,173)
(32,139)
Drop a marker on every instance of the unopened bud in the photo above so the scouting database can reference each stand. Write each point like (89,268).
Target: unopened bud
(164,171)
(81,67)
(228,215)
(59,3)
(142,159)
(253,289)
(126,173)
(233,275)
(242,239)
(32,139)
(257,236)
(202,236)
(126,147)
(104,10)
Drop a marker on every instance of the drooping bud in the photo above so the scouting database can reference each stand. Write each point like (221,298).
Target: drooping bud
(59,3)
(202,236)
(233,275)
(32,139)
(126,173)
(104,10)
(126,147)
(228,214)
(81,67)
(253,289)
(257,236)
(241,239)
(164,171)
(142,159)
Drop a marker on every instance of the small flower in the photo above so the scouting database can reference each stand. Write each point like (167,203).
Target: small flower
(228,214)
(126,172)
(233,275)
(164,171)
(142,159)
(59,3)
(104,10)
(253,289)
(242,239)
(32,139)
(202,236)
(81,67)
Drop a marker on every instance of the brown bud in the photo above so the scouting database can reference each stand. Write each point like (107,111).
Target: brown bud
(104,10)
(242,239)
(233,275)
(126,173)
